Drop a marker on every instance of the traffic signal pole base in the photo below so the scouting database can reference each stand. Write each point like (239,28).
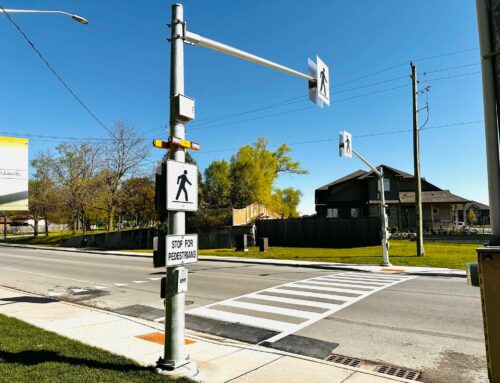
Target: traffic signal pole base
(386,264)
(176,369)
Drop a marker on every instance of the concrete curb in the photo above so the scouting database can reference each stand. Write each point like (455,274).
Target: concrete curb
(77,250)
(423,271)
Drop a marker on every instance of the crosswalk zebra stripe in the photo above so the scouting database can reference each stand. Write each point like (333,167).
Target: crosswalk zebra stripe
(355,281)
(328,313)
(318,282)
(272,309)
(324,288)
(343,284)
(324,296)
(301,302)
(245,319)
(309,294)
(382,276)
(376,276)
(368,279)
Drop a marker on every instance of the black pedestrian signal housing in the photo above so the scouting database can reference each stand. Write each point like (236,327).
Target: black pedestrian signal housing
(159,251)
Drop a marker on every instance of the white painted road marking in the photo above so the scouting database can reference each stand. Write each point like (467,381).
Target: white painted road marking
(78,290)
(53,294)
(319,292)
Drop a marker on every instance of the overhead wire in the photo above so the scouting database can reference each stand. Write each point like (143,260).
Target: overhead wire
(56,74)
(255,110)
(335,139)
(300,98)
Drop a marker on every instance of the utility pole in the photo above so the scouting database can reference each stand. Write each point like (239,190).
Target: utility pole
(416,164)
(175,354)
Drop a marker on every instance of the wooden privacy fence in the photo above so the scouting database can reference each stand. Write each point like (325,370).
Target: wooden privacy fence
(320,232)
(251,213)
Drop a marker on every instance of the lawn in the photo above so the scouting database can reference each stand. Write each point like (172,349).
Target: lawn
(29,354)
(53,239)
(401,252)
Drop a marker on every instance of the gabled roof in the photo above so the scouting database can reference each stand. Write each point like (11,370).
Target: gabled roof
(438,196)
(480,205)
(352,176)
(399,173)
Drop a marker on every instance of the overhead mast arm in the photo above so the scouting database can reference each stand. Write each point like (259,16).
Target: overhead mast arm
(193,38)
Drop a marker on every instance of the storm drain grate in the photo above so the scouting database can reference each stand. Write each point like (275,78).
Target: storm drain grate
(345,360)
(397,371)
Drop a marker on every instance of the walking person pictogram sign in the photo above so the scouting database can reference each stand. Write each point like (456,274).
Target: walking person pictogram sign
(322,78)
(182,186)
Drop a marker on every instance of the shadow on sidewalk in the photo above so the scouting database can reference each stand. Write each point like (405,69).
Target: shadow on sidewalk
(28,299)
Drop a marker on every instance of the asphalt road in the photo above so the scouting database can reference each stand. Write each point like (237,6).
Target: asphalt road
(428,324)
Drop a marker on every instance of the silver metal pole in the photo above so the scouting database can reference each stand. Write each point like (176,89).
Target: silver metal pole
(383,215)
(380,174)
(490,120)
(193,38)
(175,354)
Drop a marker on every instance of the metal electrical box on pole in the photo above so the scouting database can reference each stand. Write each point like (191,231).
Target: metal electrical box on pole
(489,283)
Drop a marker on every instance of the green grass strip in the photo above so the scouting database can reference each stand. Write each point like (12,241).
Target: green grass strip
(30,354)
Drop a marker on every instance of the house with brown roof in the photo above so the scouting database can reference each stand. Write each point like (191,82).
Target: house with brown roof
(357,195)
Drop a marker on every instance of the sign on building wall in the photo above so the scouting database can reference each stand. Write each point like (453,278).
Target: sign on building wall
(13,174)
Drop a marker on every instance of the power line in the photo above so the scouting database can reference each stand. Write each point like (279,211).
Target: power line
(296,110)
(46,138)
(55,73)
(448,77)
(211,126)
(335,139)
(451,68)
(303,98)
(60,139)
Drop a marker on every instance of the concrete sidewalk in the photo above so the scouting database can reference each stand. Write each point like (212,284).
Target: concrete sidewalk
(217,359)
(409,270)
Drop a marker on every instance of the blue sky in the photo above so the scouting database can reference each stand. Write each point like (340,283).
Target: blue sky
(119,65)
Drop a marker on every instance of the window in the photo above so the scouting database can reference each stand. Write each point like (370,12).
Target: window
(387,185)
(332,213)
(355,212)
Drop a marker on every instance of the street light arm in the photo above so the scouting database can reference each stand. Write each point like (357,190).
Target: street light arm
(80,19)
